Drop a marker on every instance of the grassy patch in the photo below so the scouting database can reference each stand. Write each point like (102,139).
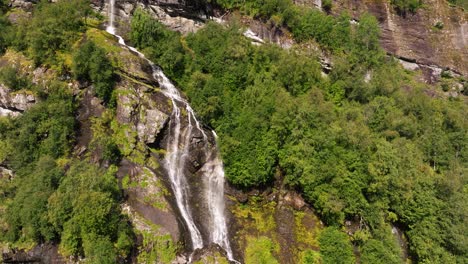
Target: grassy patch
(260,250)
(257,216)
(156,248)
(304,235)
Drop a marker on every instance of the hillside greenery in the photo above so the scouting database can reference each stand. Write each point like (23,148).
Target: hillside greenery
(364,143)
(53,197)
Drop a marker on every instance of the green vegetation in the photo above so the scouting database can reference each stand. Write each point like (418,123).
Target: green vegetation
(91,64)
(78,207)
(461,3)
(54,197)
(405,6)
(260,251)
(364,141)
(14,79)
(335,247)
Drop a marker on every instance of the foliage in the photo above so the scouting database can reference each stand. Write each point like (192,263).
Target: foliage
(86,212)
(5,26)
(47,128)
(27,217)
(260,251)
(13,79)
(90,63)
(335,247)
(461,3)
(405,6)
(54,27)
(355,146)
(156,249)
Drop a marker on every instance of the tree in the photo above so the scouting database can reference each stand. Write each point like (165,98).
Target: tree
(27,214)
(54,27)
(90,63)
(335,247)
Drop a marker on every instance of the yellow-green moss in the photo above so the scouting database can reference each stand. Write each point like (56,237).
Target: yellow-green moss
(302,233)
(257,216)
(260,250)
(216,258)
(156,247)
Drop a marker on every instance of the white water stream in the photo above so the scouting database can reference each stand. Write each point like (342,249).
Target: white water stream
(176,158)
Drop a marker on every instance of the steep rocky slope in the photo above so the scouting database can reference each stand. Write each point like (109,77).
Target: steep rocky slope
(415,36)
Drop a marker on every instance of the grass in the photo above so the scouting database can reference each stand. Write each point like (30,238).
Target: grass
(257,216)
(156,247)
(260,250)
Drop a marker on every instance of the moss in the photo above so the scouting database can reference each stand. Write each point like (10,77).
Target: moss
(156,247)
(216,258)
(103,40)
(124,136)
(302,233)
(257,216)
(260,250)
(310,257)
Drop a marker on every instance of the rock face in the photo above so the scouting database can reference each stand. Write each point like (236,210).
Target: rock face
(415,36)
(44,253)
(178,16)
(14,103)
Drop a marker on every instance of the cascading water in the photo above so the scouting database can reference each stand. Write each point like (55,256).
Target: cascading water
(176,158)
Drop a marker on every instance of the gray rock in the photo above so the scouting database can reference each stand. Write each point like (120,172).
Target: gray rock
(152,124)
(8,113)
(4,172)
(14,101)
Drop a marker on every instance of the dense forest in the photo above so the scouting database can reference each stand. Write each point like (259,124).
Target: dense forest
(365,141)
(378,149)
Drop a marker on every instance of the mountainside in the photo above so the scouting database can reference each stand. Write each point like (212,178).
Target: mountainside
(284,132)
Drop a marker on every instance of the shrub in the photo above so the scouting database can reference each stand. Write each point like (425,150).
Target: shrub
(335,247)
(90,63)
(327,5)
(404,6)
(13,79)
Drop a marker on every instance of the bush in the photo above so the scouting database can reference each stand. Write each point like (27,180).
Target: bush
(54,27)
(404,6)
(327,5)
(13,79)
(335,247)
(90,63)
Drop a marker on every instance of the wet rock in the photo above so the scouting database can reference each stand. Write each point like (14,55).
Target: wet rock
(180,259)
(146,200)
(210,255)
(44,253)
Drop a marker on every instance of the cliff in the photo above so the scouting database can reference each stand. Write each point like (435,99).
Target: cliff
(435,35)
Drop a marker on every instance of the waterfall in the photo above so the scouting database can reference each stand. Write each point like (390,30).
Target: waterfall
(176,158)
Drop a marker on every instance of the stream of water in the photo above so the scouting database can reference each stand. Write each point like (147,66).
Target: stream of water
(177,156)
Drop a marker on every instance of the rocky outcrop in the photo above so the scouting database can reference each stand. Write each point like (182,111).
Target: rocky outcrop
(6,173)
(14,103)
(415,36)
(210,255)
(138,109)
(43,253)
(177,16)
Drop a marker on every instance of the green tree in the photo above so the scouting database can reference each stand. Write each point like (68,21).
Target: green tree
(90,63)
(26,215)
(54,27)
(335,247)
